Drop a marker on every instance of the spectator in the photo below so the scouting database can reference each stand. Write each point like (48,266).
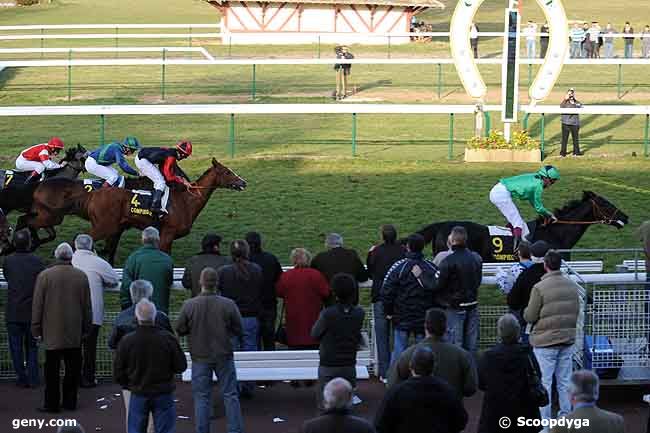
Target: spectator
(347,69)
(304,290)
(458,282)
(209,256)
(628,39)
(645,43)
(212,322)
(151,264)
(530,32)
(543,40)
(380,259)
(337,401)
(61,316)
(338,329)
(126,322)
(473,39)
(339,260)
(242,282)
(520,294)
(271,271)
(644,237)
(506,277)
(608,40)
(585,47)
(423,403)
(577,36)
(101,275)
(594,35)
(145,363)
(443,254)
(339,93)
(20,271)
(553,310)
(570,124)
(408,294)
(453,364)
(503,377)
(583,391)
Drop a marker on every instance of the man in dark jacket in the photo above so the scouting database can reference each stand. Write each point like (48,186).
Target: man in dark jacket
(126,322)
(338,329)
(61,317)
(453,364)
(211,321)
(423,403)
(457,292)
(271,271)
(408,294)
(146,363)
(337,400)
(570,124)
(151,264)
(339,260)
(380,259)
(520,294)
(20,270)
(208,257)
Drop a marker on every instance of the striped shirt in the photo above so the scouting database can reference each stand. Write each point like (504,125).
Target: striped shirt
(577,35)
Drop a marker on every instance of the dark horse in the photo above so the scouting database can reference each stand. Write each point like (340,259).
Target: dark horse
(109,209)
(573,221)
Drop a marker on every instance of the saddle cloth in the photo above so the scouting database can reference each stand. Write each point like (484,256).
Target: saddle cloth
(13,178)
(501,243)
(141,202)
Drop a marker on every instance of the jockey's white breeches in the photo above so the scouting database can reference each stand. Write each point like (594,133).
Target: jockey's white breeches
(23,164)
(109,174)
(502,199)
(151,171)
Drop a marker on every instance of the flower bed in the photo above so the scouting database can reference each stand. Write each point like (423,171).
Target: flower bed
(495,148)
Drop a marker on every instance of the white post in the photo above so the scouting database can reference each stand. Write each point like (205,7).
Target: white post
(506,131)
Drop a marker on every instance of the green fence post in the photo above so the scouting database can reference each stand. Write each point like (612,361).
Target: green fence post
(42,41)
(619,81)
(229,46)
(439,80)
(450,150)
(541,132)
(162,78)
(530,73)
(319,46)
(525,121)
(101,129)
(389,46)
(646,138)
(232,135)
(117,44)
(354,134)
(488,123)
(189,39)
(69,75)
(254,86)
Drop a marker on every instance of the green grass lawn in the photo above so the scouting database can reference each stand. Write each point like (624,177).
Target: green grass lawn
(303,181)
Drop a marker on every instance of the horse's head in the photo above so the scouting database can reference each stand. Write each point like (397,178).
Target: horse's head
(605,211)
(76,157)
(226,178)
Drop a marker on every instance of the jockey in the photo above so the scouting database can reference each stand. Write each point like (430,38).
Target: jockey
(528,187)
(151,161)
(99,162)
(37,158)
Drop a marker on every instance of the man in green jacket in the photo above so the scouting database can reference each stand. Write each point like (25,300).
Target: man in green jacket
(151,264)
(527,187)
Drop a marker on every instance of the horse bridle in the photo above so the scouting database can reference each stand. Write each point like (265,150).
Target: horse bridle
(598,213)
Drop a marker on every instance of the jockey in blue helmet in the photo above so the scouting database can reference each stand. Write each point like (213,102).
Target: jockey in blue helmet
(99,161)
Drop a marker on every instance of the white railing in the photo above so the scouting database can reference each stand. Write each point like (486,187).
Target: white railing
(201,50)
(110,26)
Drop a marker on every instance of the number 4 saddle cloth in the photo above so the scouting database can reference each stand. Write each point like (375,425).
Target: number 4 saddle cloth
(141,200)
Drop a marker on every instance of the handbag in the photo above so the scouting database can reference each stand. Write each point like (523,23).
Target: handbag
(536,391)
(281,331)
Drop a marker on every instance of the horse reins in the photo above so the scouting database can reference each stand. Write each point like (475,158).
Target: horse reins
(597,211)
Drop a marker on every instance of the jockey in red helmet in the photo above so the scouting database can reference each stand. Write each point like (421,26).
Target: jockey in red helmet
(160,165)
(37,158)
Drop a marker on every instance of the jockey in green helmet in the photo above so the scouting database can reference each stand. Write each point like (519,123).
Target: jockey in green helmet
(99,161)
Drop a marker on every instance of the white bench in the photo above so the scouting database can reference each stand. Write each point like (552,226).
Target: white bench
(581,267)
(282,365)
(631,264)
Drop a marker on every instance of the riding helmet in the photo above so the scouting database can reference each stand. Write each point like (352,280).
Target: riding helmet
(550,172)
(131,143)
(184,147)
(55,143)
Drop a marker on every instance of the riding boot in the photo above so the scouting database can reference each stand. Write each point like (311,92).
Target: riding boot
(516,238)
(34,174)
(156,197)
(106,185)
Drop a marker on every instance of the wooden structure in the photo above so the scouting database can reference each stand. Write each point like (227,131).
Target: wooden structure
(319,21)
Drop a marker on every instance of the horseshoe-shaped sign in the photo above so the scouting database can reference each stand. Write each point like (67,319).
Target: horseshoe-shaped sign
(467,69)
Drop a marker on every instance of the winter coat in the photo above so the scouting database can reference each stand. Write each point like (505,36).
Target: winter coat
(338,329)
(243,288)
(21,270)
(379,261)
(459,278)
(151,264)
(341,260)
(196,264)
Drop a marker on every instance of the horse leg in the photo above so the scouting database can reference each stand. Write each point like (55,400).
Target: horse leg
(110,247)
(166,240)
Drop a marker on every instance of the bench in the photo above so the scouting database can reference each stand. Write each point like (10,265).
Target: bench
(630,265)
(581,267)
(282,365)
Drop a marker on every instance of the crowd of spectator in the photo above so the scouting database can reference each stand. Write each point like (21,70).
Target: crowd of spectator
(430,306)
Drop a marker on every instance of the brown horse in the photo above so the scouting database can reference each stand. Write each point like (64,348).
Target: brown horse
(109,210)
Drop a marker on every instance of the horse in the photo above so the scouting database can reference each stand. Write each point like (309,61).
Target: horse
(573,220)
(109,210)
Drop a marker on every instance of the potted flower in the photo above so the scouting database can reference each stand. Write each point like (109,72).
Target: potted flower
(495,148)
